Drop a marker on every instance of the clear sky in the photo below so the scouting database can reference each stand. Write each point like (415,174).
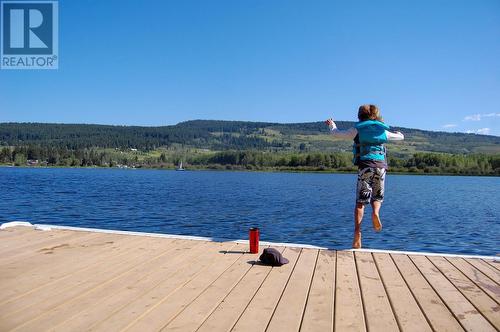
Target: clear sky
(429,64)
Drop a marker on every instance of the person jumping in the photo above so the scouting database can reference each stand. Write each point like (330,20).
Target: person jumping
(369,136)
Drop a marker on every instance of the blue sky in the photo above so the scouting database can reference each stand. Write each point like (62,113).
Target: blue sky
(429,64)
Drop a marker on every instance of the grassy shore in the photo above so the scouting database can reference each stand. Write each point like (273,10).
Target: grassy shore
(232,168)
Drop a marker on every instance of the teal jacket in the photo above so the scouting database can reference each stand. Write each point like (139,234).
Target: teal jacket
(372,136)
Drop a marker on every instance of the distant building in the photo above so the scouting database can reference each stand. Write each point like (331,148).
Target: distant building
(132,149)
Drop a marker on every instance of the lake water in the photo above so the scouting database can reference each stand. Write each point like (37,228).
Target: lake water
(420,213)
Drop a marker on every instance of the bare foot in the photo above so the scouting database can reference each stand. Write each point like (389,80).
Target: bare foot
(377,224)
(356,243)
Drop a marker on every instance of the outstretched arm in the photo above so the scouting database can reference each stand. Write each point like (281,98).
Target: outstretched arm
(397,136)
(347,134)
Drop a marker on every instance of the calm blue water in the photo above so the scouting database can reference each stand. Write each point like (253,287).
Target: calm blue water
(420,213)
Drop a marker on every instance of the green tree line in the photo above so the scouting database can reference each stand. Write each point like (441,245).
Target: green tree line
(79,136)
(223,135)
(432,163)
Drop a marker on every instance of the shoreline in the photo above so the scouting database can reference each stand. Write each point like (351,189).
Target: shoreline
(242,169)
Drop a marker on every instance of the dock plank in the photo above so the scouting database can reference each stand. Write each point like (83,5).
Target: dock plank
(378,310)
(68,280)
(437,313)
(489,286)
(100,306)
(139,273)
(135,308)
(318,315)
(493,263)
(349,313)
(156,317)
(16,234)
(20,314)
(260,309)
(462,309)
(28,283)
(59,240)
(34,238)
(21,235)
(485,268)
(48,263)
(405,307)
(289,311)
(230,309)
(198,310)
(484,304)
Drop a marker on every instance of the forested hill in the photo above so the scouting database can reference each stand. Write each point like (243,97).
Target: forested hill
(230,135)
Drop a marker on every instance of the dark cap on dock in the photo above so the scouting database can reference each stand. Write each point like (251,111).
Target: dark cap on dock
(273,257)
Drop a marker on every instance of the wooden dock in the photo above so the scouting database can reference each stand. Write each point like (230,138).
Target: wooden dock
(66,280)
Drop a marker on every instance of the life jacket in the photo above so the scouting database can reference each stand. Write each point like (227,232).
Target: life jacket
(369,142)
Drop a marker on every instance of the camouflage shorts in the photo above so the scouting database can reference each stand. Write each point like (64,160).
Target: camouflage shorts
(370,185)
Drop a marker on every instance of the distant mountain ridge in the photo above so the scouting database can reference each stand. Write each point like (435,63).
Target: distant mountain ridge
(221,135)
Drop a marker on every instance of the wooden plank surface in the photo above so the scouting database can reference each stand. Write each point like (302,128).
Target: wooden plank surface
(260,309)
(12,235)
(225,316)
(378,310)
(42,268)
(59,314)
(135,284)
(64,280)
(493,263)
(25,284)
(15,232)
(156,317)
(16,237)
(436,311)
(406,309)
(59,255)
(135,308)
(485,268)
(349,313)
(58,240)
(28,283)
(479,299)
(192,316)
(488,285)
(289,311)
(27,313)
(35,239)
(318,315)
(462,309)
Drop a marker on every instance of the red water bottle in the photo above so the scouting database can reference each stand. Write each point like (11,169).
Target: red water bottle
(254,240)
